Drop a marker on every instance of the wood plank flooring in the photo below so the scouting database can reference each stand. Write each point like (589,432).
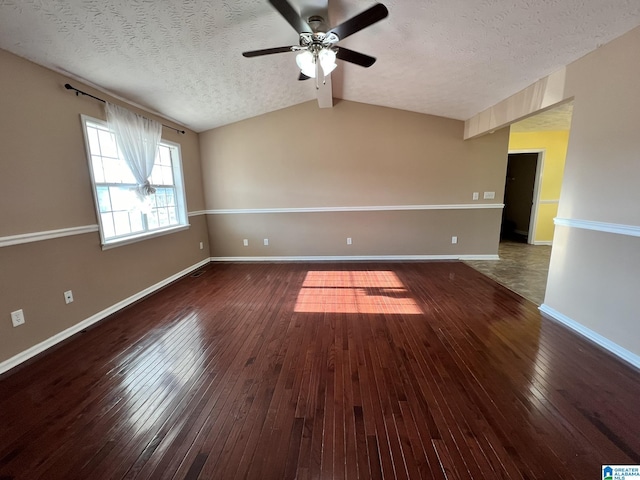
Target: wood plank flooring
(336,371)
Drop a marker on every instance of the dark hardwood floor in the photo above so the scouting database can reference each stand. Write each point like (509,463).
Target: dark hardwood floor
(270,371)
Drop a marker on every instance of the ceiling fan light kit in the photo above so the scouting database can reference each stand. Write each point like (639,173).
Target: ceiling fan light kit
(308,61)
(317,48)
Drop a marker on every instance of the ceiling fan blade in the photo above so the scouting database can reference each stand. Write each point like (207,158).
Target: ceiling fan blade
(290,15)
(266,51)
(355,57)
(303,77)
(360,21)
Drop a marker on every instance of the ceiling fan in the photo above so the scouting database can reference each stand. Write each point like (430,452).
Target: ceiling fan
(317,48)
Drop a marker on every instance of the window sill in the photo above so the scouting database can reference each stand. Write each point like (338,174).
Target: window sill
(145,236)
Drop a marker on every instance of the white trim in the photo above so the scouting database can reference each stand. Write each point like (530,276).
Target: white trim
(145,236)
(364,208)
(604,342)
(478,257)
(537,183)
(548,202)
(543,242)
(59,337)
(46,235)
(630,230)
(196,213)
(351,258)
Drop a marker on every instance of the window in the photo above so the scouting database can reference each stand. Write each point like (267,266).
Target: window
(120,216)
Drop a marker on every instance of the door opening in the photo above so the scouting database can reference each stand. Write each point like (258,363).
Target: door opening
(521,196)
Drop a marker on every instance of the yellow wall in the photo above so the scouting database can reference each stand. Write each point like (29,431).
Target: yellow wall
(555,146)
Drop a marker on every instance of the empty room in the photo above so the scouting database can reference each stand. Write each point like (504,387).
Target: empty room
(266,240)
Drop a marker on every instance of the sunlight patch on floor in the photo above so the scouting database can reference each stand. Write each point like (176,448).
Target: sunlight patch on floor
(372,292)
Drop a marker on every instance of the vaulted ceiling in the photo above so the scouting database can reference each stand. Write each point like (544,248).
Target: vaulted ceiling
(183,59)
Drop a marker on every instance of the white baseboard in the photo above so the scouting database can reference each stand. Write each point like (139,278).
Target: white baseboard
(543,242)
(59,337)
(604,342)
(352,258)
(478,257)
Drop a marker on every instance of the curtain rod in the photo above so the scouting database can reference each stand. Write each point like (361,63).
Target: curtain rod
(80,92)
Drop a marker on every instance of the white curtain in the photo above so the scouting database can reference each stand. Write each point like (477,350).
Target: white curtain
(138,138)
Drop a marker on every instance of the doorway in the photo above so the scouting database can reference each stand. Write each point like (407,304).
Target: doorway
(521,196)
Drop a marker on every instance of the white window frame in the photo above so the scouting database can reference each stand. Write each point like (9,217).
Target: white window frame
(180,199)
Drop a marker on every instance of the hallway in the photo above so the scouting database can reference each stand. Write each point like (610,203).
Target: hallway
(522,268)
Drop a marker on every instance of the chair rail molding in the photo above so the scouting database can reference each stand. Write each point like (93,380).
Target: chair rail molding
(46,235)
(618,228)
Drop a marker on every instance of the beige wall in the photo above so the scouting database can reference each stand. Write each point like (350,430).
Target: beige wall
(594,276)
(45,185)
(386,233)
(351,155)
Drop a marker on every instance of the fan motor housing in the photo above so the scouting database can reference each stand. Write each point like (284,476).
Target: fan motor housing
(316,22)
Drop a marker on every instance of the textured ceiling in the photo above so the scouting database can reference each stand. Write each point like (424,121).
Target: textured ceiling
(558,118)
(183,59)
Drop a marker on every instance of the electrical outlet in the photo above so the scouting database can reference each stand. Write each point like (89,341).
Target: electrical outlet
(349,242)
(17,318)
(201,245)
(476,195)
(454,239)
(68,297)
(266,242)
(245,242)
(489,195)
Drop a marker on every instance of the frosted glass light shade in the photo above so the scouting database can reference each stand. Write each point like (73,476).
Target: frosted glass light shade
(327,59)
(306,63)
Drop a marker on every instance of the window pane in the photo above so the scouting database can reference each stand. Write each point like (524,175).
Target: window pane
(121,221)
(156,175)
(104,200)
(122,198)
(160,199)
(170,196)
(165,155)
(167,176)
(107,144)
(98,172)
(152,219)
(112,172)
(135,220)
(163,217)
(107,225)
(173,215)
(125,173)
(94,144)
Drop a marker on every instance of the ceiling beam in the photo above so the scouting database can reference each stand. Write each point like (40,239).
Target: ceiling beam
(325,92)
